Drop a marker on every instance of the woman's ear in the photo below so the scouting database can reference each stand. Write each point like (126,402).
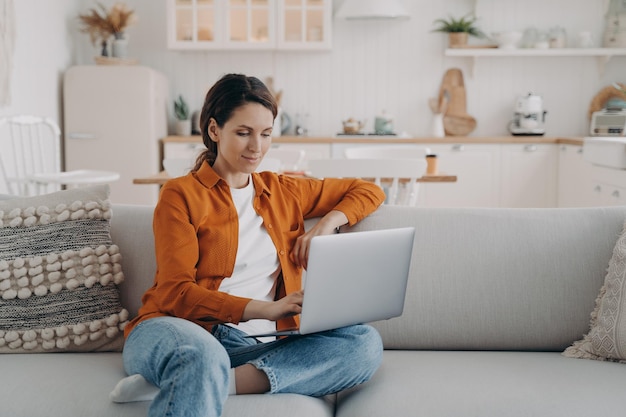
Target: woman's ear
(213,130)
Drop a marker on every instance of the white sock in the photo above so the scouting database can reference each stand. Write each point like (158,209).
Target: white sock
(232,386)
(133,388)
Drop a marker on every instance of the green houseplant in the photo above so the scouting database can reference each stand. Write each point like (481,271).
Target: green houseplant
(458,30)
(183,121)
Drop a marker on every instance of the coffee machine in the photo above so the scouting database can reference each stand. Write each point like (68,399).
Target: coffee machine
(529,117)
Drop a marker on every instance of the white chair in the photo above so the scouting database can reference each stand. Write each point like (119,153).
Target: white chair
(402,152)
(384,151)
(290,159)
(269,164)
(393,170)
(30,158)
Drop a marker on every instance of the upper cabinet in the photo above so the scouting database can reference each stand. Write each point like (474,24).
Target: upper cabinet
(249,24)
(304,24)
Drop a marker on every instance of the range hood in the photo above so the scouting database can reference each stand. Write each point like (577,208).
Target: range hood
(371,10)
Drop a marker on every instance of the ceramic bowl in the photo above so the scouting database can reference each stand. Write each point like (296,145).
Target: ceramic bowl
(177,167)
(507,40)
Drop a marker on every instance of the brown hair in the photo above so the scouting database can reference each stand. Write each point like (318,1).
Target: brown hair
(228,94)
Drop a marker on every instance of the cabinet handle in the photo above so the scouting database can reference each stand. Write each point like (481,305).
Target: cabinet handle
(580,150)
(81,136)
(530,148)
(459,148)
(615,193)
(597,189)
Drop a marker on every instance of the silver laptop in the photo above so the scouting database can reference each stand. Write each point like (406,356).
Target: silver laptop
(354,278)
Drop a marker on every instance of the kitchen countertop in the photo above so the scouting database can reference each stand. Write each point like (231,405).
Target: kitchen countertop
(399,140)
(162,177)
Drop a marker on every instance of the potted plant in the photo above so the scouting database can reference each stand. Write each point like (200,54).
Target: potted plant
(183,121)
(458,30)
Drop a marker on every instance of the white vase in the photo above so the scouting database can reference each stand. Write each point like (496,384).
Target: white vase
(120,48)
(437,129)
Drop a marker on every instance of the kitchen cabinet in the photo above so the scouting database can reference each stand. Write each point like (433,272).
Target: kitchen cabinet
(304,24)
(181,150)
(608,186)
(491,172)
(249,24)
(574,178)
(477,168)
(528,176)
(608,195)
(221,24)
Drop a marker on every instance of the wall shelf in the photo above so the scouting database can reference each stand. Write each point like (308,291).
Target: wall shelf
(603,55)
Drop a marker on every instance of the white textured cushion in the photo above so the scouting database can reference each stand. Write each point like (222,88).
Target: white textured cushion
(59,272)
(606,339)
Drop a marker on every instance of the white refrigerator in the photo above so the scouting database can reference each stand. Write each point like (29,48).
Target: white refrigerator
(114,118)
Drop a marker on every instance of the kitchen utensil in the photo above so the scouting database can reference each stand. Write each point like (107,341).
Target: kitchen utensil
(459,124)
(529,38)
(352,126)
(508,39)
(433,104)
(557,37)
(437,129)
(383,124)
(585,39)
(457,102)
(456,121)
(529,116)
(608,122)
(285,123)
(443,102)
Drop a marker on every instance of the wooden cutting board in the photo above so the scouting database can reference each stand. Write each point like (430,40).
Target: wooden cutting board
(456,120)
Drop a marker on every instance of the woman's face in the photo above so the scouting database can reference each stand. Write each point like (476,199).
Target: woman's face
(242,142)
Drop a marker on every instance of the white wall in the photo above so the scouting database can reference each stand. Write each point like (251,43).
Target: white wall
(43,51)
(374,65)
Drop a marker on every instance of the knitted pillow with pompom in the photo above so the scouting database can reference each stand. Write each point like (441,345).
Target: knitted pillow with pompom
(59,274)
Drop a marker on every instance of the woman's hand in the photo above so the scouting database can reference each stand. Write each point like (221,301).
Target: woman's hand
(326,226)
(289,305)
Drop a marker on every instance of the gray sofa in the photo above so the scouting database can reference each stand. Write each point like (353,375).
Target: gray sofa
(494,296)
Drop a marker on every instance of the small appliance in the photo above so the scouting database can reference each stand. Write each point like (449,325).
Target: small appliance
(608,122)
(529,117)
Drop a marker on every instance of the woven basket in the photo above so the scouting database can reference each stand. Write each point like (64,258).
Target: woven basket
(457,39)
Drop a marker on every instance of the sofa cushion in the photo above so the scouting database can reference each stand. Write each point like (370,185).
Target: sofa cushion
(487,384)
(59,272)
(606,339)
(499,279)
(78,384)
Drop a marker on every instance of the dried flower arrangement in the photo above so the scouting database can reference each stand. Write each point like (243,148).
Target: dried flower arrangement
(101,23)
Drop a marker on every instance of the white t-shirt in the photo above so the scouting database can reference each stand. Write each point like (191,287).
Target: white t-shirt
(256,266)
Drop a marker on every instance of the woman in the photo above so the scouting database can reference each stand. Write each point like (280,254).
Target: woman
(230,247)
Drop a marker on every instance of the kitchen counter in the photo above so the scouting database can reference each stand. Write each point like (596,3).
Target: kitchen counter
(162,177)
(399,140)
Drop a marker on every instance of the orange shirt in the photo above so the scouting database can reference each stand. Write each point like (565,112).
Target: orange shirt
(196,231)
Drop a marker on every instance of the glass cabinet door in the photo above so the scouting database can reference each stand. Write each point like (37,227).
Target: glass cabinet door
(250,24)
(193,23)
(304,24)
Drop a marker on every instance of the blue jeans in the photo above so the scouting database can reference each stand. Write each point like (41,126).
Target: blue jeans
(191,365)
